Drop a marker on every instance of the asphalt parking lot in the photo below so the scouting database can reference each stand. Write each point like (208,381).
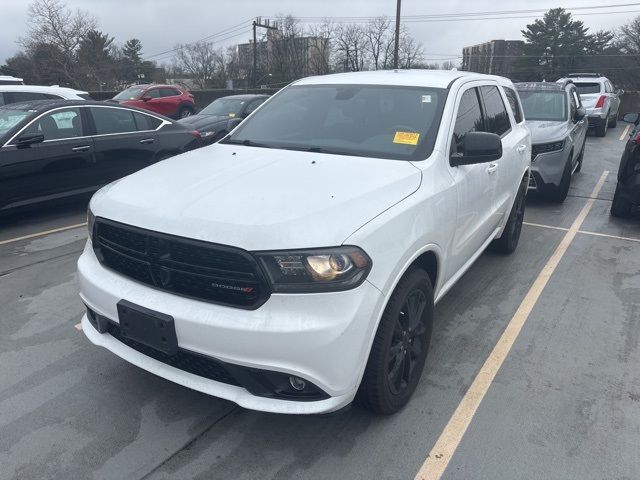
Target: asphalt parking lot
(564,401)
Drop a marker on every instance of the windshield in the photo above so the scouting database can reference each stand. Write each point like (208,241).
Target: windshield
(130,93)
(225,107)
(587,88)
(9,118)
(366,120)
(544,105)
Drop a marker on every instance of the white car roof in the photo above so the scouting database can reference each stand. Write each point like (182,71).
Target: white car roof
(62,91)
(413,78)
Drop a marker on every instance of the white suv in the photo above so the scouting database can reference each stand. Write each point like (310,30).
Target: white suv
(296,263)
(27,93)
(600,99)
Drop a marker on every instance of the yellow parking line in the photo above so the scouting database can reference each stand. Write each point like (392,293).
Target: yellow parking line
(78,326)
(625,132)
(544,226)
(40,234)
(446,445)
(630,239)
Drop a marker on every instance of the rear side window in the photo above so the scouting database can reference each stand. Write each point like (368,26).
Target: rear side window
(15,97)
(113,120)
(496,117)
(588,87)
(512,96)
(169,92)
(146,122)
(469,119)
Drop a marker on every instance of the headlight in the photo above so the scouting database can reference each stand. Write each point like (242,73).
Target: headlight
(539,148)
(91,220)
(321,270)
(207,134)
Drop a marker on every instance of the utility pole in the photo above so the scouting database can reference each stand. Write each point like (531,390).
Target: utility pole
(397,44)
(258,23)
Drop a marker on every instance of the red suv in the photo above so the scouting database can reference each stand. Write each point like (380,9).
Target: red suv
(167,100)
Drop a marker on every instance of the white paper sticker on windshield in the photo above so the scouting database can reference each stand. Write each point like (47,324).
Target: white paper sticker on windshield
(426,98)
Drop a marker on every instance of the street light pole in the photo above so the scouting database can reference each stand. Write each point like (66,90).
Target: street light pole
(397,43)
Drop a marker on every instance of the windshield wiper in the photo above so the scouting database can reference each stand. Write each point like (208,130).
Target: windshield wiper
(248,143)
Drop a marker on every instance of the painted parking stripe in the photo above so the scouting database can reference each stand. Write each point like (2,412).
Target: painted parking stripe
(40,234)
(584,232)
(78,326)
(446,445)
(625,132)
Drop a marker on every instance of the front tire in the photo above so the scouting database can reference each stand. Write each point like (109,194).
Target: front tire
(400,346)
(508,241)
(581,157)
(558,194)
(185,112)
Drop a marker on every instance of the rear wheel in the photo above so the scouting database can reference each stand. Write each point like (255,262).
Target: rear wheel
(614,121)
(185,112)
(508,241)
(620,207)
(601,130)
(400,346)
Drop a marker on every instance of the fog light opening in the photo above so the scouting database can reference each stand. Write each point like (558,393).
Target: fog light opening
(297,383)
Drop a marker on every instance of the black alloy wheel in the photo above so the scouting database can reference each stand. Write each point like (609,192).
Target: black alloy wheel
(508,241)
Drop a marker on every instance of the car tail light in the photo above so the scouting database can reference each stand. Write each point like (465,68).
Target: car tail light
(600,102)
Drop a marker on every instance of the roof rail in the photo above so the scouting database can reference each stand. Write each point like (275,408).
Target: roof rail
(593,75)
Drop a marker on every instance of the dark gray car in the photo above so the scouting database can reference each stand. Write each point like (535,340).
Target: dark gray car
(556,118)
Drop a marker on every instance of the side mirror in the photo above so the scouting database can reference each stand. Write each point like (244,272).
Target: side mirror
(145,98)
(631,118)
(580,114)
(477,147)
(233,123)
(29,139)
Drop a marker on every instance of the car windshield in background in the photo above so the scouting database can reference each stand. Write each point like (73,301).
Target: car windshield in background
(587,88)
(9,118)
(224,107)
(129,94)
(544,105)
(365,120)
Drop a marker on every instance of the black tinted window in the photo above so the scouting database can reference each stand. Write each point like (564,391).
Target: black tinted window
(57,125)
(512,96)
(169,92)
(15,97)
(146,122)
(469,118)
(496,117)
(113,120)
(253,105)
(587,88)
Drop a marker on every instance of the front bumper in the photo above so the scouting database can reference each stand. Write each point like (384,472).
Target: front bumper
(323,338)
(547,168)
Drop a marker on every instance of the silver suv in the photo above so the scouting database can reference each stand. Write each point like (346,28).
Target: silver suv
(600,99)
(555,116)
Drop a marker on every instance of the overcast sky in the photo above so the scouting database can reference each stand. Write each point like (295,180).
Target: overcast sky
(160,24)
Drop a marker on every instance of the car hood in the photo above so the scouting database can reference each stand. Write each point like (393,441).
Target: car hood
(544,131)
(257,198)
(204,123)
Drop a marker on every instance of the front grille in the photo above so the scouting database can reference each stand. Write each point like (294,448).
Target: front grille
(192,268)
(183,360)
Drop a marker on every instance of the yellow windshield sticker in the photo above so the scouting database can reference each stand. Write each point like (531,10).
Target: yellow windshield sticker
(406,138)
(231,114)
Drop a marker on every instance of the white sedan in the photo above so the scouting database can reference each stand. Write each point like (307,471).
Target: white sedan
(294,266)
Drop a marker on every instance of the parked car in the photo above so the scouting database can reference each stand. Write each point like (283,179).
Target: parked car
(168,100)
(9,80)
(54,149)
(213,121)
(600,98)
(627,194)
(555,115)
(296,263)
(27,93)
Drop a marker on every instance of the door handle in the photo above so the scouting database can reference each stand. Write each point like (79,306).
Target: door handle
(491,169)
(82,148)
(147,140)
(521,148)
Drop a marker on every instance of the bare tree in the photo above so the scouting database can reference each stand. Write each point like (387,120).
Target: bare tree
(51,23)
(411,51)
(199,60)
(377,34)
(351,47)
(321,47)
